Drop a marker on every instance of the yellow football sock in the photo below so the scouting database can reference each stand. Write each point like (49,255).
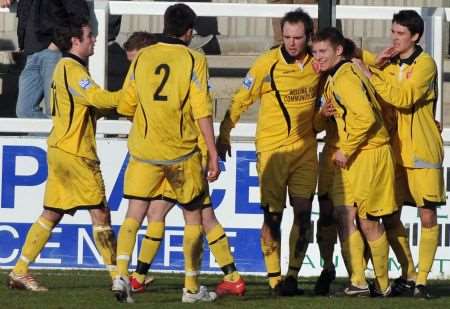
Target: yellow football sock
(427,250)
(125,244)
(366,256)
(353,254)
(149,248)
(326,238)
(37,237)
(379,249)
(106,244)
(192,248)
(271,252)
(218,244)
(298,244)
(398,240)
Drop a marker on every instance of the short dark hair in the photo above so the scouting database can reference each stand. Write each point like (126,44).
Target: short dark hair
(335,37)
(178,19)
(138,40)
(411,20)
(297,16)
(64,33)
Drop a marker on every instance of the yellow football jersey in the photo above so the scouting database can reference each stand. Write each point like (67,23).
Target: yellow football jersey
(74,100)
(358,114)
(166,91)
(287,91)
(410,85)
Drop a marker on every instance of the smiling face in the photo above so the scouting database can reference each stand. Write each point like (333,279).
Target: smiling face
(326,55)
(84,47)
(403,40)
(294,38)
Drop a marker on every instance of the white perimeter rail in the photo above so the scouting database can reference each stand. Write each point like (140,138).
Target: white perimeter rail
(433,17)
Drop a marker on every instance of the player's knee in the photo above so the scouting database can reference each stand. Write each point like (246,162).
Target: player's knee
(326,219)
(272,223)
(100,216)
(428,217)
(209,220)
(303,218)
(391,221)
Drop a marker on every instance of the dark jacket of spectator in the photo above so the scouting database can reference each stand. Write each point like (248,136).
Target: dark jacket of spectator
(38,18)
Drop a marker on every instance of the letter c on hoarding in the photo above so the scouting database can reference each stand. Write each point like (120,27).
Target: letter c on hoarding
(15,252)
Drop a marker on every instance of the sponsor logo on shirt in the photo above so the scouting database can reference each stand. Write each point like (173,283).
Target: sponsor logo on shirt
(85,84)
(316,66)
(408,74)
(248,82)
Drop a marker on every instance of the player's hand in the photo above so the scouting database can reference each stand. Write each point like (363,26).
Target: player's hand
(340,159)
(327,110)
(362,67)
(385,55)
(5,3)
(223,149)
(213,168)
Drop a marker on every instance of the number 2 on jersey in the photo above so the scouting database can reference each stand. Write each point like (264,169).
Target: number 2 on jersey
(157,95)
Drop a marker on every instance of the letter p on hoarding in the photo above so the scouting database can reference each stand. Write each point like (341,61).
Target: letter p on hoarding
(10,177)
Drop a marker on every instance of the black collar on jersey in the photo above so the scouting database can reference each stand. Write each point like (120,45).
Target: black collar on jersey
(74,57)
(337,66)
(163,38)
(288,58)
(410,60)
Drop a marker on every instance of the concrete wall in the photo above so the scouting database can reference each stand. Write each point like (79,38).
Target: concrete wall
(241,35)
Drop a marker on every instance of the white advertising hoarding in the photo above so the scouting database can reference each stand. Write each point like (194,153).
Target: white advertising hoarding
(235,198)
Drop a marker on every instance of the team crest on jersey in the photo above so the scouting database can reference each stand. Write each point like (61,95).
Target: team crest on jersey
(409,74)
(248,82)
(316,66)
(85,84)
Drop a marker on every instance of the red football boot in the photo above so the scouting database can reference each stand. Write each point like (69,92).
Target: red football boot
(231,288)
(137,287)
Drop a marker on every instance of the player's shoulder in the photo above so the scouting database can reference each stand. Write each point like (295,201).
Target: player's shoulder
(265,60)
(425,59)
(69,68)
(197,56)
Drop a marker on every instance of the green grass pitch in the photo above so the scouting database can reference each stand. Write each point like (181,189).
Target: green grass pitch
(91,289)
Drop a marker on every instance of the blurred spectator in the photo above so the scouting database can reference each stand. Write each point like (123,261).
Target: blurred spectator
(118,63)
(208,29)
(37,20)
(136,41)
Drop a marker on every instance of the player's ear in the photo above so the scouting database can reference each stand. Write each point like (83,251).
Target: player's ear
(339,50)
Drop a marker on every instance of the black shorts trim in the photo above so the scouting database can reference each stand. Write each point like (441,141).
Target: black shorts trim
(196,203)
(426,204)
(192,205)
(73,210)
(375,218)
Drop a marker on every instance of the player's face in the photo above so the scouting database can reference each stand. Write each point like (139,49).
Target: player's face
(326,55)
(402,39)
(131,54)
(294,38)
(87,42)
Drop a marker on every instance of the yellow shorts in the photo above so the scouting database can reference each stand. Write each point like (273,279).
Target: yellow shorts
(367,183)
(183,183)
(326,171)
(73,183)
(420,186)
(293,167)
